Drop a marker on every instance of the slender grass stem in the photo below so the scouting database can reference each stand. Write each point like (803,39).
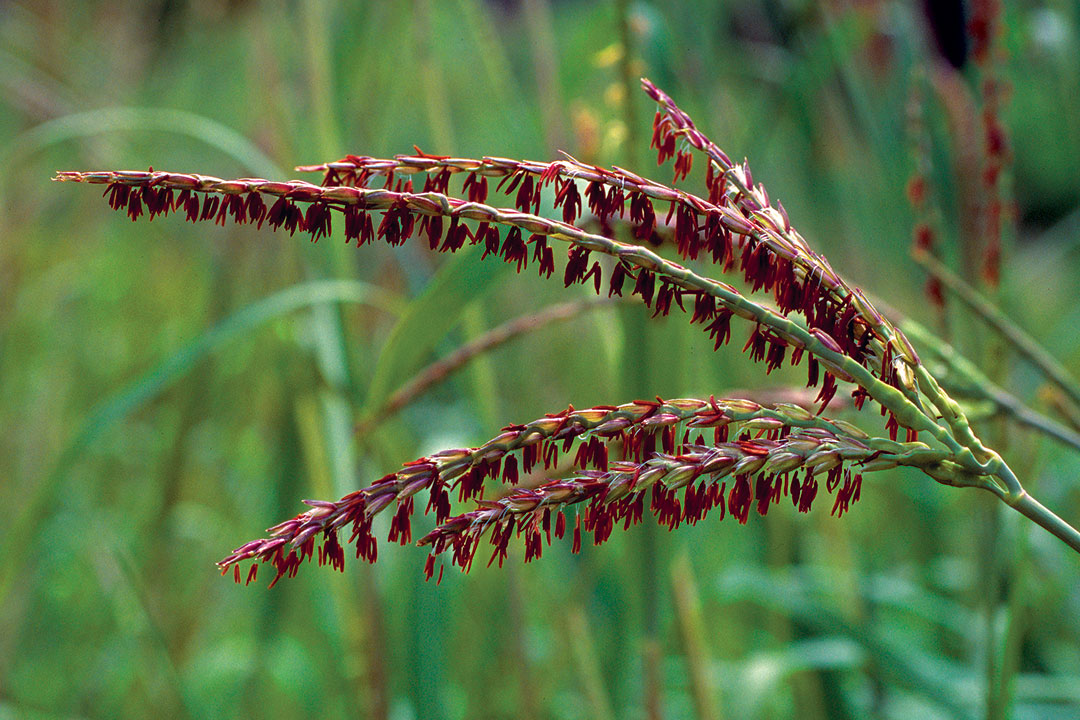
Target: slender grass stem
(970,381)
(687,604)
(1023,343)
(441,369)
(1032,509)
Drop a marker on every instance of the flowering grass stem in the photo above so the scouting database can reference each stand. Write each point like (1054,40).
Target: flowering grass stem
(797,306)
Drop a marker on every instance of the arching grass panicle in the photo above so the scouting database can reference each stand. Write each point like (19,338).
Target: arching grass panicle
(589,472)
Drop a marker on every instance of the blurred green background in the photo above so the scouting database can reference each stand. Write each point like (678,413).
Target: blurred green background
(167,390)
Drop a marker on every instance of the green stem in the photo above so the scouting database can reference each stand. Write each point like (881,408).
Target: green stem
(626,79)
(438,371)
(974,454)
(539,26)
(1038,513)
(1023,343)
(1013,493)
(692,632)
(1016,623)
(584,656)
(979,385)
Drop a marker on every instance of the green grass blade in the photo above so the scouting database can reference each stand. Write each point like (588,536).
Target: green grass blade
(427,320)
(124,119)
(153,383)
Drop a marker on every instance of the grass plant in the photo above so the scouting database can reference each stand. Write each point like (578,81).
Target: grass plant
(170,387)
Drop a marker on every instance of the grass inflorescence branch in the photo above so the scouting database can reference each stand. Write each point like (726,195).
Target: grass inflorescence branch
(653,441)
(661,284)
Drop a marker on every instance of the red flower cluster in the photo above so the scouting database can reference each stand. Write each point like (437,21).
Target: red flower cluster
(657,458)
(618,496)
